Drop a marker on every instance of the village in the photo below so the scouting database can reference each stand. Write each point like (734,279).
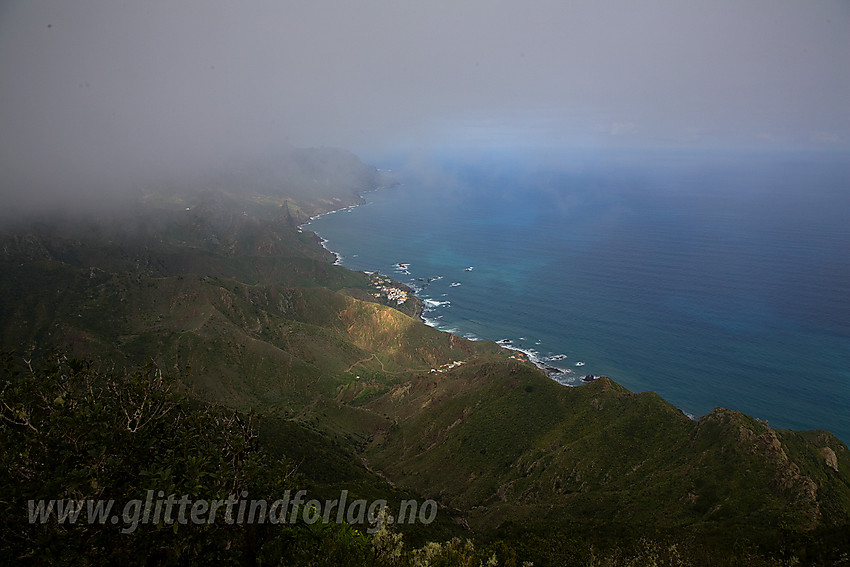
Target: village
(385,287)
(447,367)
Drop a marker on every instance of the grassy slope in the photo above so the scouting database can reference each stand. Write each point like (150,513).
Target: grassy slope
(501,441)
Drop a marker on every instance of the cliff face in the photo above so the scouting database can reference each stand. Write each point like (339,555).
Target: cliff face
(225,293)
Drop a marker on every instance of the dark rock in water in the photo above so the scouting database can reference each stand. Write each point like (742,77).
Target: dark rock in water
(589,378)
(550,370)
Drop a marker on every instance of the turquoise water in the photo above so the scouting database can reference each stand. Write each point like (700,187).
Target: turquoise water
(721,281)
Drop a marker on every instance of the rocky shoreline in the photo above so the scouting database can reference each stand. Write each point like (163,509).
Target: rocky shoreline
(394,293)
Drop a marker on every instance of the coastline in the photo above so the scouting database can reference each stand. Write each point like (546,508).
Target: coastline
(557,374)
(419,305)
(323,241)
(639,346)
(361,201)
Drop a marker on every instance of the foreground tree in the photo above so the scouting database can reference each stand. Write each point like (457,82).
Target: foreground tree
(80,437)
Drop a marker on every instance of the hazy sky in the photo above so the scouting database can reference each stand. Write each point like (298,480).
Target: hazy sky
(107,89)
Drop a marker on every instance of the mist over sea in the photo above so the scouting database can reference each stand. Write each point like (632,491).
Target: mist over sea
(714,280)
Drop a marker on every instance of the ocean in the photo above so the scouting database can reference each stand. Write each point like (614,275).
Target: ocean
(712,279)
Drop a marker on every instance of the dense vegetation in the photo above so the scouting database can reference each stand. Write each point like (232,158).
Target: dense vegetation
(205,345)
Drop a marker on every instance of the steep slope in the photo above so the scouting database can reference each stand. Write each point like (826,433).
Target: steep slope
(502,442)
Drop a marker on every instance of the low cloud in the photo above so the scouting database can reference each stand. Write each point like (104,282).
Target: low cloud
(102,97)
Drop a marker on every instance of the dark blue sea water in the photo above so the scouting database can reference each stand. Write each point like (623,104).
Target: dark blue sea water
(714,280)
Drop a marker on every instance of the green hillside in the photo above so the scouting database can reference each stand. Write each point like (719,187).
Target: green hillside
(238,309)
